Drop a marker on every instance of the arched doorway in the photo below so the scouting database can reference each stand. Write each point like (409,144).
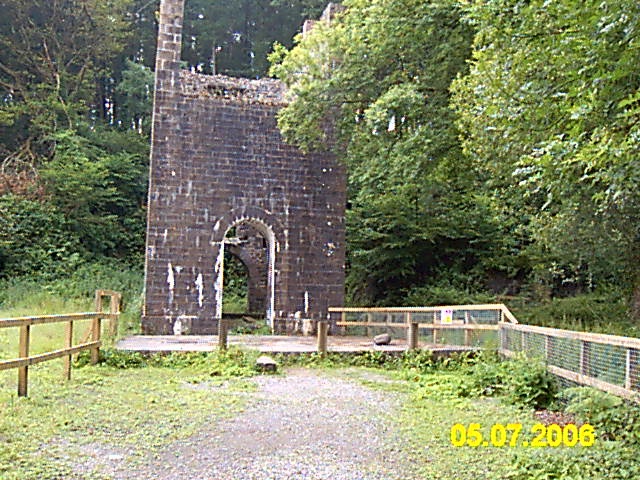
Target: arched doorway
(253,243)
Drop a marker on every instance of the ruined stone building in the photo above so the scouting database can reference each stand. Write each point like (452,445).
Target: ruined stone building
(221,180)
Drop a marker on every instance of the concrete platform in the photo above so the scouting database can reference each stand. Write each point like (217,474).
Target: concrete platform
(269,344)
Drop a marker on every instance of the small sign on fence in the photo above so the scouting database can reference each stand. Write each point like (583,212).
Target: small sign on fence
(446,316)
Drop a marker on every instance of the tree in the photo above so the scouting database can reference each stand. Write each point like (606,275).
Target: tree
(53,57)
(237,35)
(99,182)
(550,111)
(380,74)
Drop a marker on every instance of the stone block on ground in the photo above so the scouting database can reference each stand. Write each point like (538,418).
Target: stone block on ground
(382,339)
(266,364)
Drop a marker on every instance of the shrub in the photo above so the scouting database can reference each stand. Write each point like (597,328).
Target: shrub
(488,378)
(35,240)
(615,419)
(606,460)
(605,312)
(446,295)
(530,384)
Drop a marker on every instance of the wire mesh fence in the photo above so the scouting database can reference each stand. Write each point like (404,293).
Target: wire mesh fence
(607,362)
(459,325)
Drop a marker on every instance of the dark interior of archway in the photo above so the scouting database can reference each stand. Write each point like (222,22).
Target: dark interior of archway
(235,297)
(245,272)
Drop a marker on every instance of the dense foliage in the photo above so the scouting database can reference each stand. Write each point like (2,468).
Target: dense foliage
(549,112)
(490,143)
(381,74)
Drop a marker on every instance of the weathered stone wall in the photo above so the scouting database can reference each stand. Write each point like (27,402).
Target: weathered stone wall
(217,162)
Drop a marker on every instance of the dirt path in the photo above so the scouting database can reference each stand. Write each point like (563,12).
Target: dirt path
(305,425)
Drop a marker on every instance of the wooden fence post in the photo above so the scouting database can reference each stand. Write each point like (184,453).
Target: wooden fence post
(114,308)
(23,372)
(467,332)
(631,370)
(413,335)
(323,329)
(585,349)
(96,325)
(547,348)
(223,334)
(68,344)
(434,332)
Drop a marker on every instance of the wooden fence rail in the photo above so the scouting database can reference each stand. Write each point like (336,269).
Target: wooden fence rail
(25,323)
(608,362)
(464,318)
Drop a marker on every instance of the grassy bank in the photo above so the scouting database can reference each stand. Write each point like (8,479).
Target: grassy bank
(73,294)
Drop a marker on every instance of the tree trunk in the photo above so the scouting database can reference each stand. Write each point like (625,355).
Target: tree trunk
(635,301)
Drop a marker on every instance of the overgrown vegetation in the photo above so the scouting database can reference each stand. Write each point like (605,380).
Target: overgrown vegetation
(70,293)
(492,147)
(181,391)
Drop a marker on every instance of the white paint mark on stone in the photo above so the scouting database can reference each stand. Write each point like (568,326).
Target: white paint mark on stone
(164,235)
(171,281)
(200,287)
(189,187)
(173,173)
(177,326)
(306,303)
(219,282)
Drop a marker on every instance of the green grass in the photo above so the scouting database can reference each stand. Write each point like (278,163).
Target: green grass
(427,417)
(134,405)
(23,297)
(104,408)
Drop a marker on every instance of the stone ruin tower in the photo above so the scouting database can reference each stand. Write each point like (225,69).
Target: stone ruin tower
(222,179)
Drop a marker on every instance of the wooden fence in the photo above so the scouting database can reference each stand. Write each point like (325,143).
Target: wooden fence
(608,362)
(90,342)
(439,321)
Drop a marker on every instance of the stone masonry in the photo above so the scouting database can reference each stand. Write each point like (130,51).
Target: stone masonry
(218,162)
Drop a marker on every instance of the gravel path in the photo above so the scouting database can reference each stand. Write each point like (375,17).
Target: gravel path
(305,425)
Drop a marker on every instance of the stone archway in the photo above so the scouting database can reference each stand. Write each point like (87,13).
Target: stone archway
(253,265)
(253,256)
